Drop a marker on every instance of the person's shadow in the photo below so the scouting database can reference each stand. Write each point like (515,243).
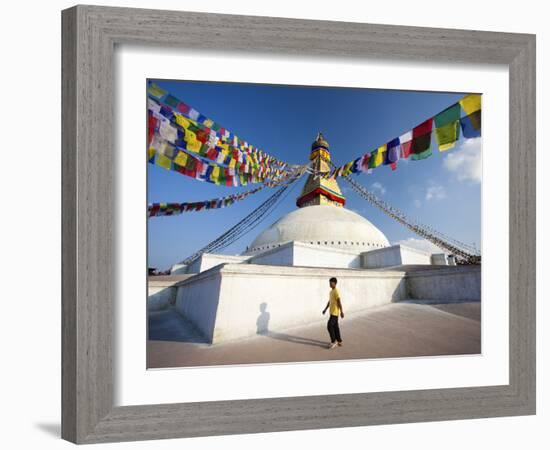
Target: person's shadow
(262,323)
(262,328)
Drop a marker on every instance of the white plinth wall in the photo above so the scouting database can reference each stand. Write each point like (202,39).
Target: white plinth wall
(304,254)
(233,301)
(238,300)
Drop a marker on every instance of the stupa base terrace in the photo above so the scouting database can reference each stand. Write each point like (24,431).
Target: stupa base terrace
(232,301)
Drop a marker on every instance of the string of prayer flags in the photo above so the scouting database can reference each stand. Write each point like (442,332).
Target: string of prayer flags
(168,104)
(198,142)
(416,143)
(188,135)
(172,209)
(167,156)
(171,157)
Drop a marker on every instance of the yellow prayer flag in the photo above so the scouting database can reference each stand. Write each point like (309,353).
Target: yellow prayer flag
(192,143)
(182,121)
(471,103)
(151,152)
(155,91)
(444,147)
(163,161)
(379,158)
(181,159)
(447,135)
(208,123)
(232,163)
(215,174)
(347,168)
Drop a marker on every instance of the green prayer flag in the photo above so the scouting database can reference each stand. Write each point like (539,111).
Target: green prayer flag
(171,101)
(204,149)
(372,159)
(191,164)
(447,127)
(193,128)
(422,155)
(451,114)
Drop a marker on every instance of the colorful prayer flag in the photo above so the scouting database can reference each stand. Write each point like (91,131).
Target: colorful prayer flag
(181,158)
(405,140)
(155,91)
(171,101)
(377,157)
(471,125)
(471,103)
(422,136)
(447,135)
(393,153)
(446,127)
(163,161)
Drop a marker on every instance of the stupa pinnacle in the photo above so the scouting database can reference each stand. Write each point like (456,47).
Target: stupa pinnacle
(317,190)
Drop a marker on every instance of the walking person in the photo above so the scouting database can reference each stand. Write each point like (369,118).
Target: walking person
(334,305)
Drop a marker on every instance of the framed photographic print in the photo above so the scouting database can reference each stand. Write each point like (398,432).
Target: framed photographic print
(251,212)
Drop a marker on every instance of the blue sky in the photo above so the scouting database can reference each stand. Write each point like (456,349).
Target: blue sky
(442,191)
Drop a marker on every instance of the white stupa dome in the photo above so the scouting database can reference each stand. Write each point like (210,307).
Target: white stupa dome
(324,225)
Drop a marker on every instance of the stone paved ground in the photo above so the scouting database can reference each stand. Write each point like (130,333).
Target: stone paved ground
(394,330)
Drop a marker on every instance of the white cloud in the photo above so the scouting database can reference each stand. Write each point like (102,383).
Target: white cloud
(376,186)
(435,192)
(417,203)
(420,244)
(465,161)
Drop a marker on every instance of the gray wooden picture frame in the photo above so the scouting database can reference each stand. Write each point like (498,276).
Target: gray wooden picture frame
(90,34)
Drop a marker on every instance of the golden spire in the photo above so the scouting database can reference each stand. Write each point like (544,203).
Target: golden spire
(317,190)
(319,142)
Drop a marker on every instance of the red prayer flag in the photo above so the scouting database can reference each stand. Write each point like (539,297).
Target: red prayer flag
(212,154)
(422,129)
(202,136)
(183,108)
(152,126)
(154,210)
(406,148)
(365,162)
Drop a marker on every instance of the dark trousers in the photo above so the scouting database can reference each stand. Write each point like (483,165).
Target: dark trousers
(334,329)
